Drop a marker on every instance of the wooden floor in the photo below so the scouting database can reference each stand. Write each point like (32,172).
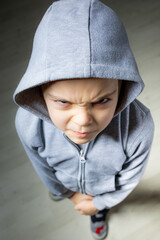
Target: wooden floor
(26,212)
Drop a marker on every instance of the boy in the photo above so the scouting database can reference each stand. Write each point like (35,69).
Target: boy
(87,136)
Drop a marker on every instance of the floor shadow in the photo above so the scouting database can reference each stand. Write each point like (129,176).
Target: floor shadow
(147,195)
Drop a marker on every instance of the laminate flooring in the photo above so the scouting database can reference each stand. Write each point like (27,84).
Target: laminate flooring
(26,211)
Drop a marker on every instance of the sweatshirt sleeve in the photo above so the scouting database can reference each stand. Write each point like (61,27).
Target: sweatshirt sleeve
(45,172)
(133,168)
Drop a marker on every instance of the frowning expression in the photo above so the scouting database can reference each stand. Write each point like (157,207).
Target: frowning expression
(81,108)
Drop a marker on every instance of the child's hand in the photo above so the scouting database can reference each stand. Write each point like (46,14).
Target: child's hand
(78,197)
(86,207)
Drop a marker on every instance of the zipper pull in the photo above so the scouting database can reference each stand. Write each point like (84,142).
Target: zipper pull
(83,160)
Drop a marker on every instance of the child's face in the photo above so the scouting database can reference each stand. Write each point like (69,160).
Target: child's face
(81,108)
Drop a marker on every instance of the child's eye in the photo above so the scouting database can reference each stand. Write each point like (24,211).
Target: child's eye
(62,102)
(105,100)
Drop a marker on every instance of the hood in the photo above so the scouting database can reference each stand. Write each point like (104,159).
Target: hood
(78,39)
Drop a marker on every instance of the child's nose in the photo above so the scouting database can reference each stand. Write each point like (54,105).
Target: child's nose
(83,117)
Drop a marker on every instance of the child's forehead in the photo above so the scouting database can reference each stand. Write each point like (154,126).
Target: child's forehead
(81,90)
(81,82)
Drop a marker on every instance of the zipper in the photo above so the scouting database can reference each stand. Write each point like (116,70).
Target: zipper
(82,172)
(81,176)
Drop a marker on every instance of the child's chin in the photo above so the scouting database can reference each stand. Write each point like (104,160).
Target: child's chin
(82,141)
(79,140)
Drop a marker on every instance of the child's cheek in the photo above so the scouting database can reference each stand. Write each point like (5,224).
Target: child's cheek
(106,118)
(58,120)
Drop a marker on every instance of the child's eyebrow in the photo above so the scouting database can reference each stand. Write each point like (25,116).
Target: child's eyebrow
(105,96)
(54,97)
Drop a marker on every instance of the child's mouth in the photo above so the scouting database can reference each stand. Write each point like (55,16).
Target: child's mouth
(81,135)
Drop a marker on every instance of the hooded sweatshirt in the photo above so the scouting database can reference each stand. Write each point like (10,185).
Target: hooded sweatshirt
(84,39)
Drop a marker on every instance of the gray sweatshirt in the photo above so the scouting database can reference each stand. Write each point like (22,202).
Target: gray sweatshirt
(84,39)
